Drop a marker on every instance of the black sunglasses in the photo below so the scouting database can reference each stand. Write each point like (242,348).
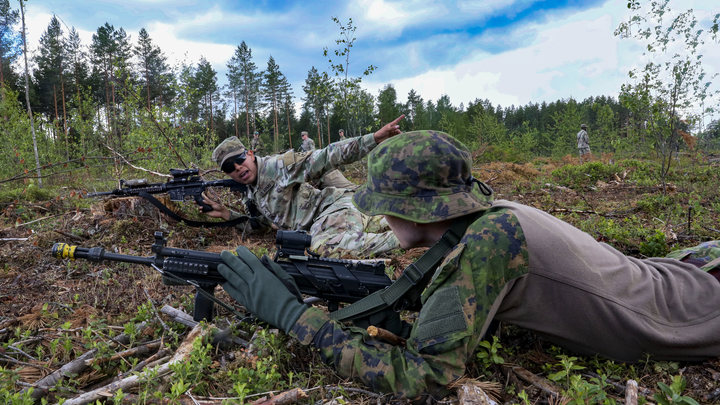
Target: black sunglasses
(229,165)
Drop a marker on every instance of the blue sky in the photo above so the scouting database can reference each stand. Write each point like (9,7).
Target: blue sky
(507,51)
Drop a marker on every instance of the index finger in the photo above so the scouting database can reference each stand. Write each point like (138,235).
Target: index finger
(396,120)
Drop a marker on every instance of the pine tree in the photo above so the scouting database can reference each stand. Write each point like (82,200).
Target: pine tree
(10,44)
(274,86)
(244,80)
(49,80)
(206,84)
(110,53)
(154,70)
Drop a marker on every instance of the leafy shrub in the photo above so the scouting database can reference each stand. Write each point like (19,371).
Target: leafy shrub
(504,153)
(585,174)
(31,193)
(644,172)
(655,246)
(655,203)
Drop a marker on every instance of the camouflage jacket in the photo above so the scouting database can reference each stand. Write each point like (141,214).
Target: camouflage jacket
(285,190)
(255,144)
(582,139)
(308,145)
(451,323)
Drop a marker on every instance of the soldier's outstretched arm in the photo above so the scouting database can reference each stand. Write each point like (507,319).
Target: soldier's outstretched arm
(390,129)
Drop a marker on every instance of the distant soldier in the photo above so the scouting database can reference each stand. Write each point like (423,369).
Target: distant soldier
(341,134)
(307,144)
(255,142)
(583,142)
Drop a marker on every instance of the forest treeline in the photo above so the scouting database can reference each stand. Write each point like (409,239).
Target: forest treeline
(117,100)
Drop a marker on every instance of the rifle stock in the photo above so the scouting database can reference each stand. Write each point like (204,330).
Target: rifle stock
(333,280)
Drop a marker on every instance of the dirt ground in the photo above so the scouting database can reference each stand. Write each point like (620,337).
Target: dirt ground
(32,282)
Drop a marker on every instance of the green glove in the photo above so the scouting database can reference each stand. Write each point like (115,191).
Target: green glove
(259,290)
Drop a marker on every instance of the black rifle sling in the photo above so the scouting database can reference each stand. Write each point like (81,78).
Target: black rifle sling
(167,211)
(413,279)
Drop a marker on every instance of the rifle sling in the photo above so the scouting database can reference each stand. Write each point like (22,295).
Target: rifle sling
(167,211)
(413,279)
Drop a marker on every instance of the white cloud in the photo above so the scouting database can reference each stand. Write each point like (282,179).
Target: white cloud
(572,57)
(387,19)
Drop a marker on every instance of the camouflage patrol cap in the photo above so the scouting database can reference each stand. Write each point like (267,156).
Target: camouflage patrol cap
(228,148)
(421,176)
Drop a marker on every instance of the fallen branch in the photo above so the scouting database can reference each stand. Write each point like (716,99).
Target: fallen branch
(42,386)
(221,336)
(631,392)
(158,357)
(37,220)
(136,167)
(288,397)
(142,349)
(126,384)
(136,399)
(539,382)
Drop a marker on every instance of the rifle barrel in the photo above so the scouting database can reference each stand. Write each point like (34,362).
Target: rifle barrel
(95,254)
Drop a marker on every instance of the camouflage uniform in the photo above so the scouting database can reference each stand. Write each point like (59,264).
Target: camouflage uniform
(583,142)
(308,145)
(255,144)
(516,264)
(285,193)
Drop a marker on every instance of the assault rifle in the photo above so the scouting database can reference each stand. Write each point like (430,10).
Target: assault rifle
(184,183)
(332,280)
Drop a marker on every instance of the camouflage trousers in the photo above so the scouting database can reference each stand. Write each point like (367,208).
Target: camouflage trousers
(341,230)
(706,256)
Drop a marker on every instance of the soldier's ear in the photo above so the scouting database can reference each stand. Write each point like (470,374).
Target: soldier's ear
(250,154)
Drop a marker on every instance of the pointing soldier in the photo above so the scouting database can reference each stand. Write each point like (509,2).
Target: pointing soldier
(287,190)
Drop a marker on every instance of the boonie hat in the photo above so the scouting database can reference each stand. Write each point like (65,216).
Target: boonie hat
(422,176)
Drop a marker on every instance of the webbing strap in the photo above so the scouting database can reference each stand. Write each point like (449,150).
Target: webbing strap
(167,211)
(414,273)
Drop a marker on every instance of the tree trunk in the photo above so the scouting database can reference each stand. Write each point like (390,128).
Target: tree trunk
(65,128)
(235,115)
(212,127)
(247,117)
(27,96)
(287,114)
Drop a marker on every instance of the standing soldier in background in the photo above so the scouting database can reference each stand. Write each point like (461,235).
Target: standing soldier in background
(583,142)
(308,145)
(255,143)
(341,134)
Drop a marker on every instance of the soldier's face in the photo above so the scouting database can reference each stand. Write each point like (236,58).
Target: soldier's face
(245,173)
(406,232)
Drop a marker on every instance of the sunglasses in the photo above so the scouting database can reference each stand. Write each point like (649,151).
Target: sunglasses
(229,165)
